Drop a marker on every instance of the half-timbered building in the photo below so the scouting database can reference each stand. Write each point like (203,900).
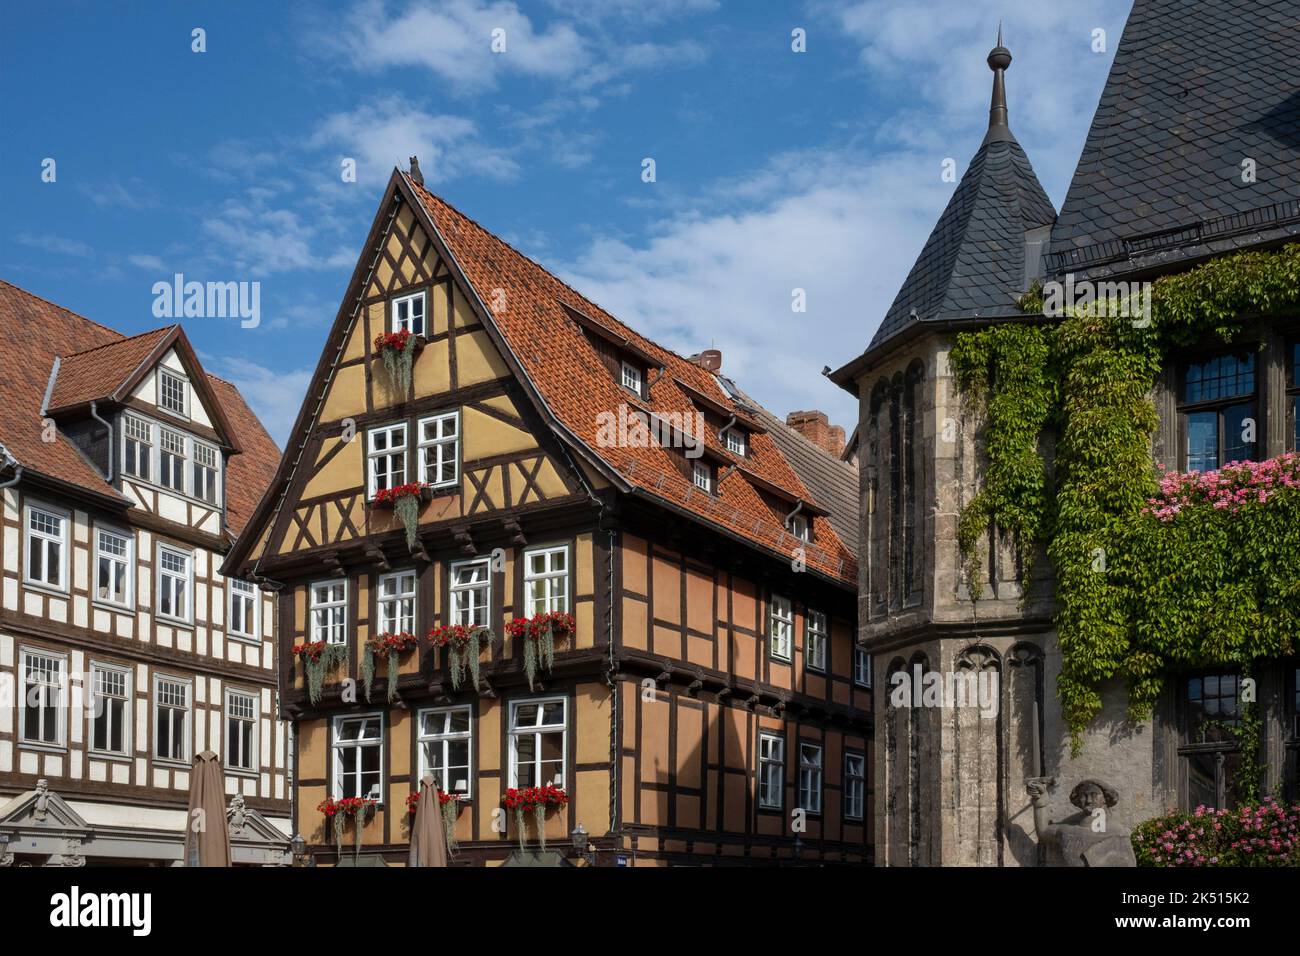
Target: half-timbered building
(707,704)
(127,471)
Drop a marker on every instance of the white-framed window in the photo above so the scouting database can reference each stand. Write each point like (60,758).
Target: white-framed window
(358,757)
(471,592)
(137,447)
(241,730)
(386,457)
(445,736)
(702,475)
(171,460)
(439,440)
(203,474)
(397,602)
(171,718)
(810,777)
(242,617)
(329,611)
(855,785)
(408,313)
(47,550)
(546,580)
(110,709)
(861,667)
(771,771)
(736,441)
(631,377)
(173,393)
(817,636)
(800,528)
(539,741)
(175,583)
(114,566)
(780,627)
(44,676)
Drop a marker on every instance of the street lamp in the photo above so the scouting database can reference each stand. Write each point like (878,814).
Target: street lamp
(581,845)
(298,846)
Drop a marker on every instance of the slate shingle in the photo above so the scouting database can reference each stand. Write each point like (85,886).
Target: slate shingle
(1195,89)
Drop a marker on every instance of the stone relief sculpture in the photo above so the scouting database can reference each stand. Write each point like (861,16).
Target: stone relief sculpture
(236,816)
(1086,838)
(41,809)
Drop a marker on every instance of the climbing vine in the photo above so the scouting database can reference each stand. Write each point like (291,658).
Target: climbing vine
(1140,588)
(1014,497)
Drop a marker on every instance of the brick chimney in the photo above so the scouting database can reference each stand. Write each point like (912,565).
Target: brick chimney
(815,426)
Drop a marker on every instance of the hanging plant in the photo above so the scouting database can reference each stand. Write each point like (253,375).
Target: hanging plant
(534,800)
(539,634)
(448,808)
(390,647)
(405,500)
(340,811)
(397,351)
(463,644)
(319,658)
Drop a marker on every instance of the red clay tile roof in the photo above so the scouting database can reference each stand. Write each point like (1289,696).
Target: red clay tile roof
(39,331)
(575,385)
(94,374)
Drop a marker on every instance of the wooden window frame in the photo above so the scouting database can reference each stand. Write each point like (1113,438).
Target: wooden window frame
(31,536)
(394,323)
(388,453)
(456,590)
(128,707)
(313,628)
(170,616)
(820,770)
(513,733)
(184,386)
(187,720)
(764,761)
(773,619)
(445,738)
(860,816)
(821,636)
(254,734)
(336,747)
(413,596)
(1219,406)
(97,552)
(60,686)
(531,580)
(424,445)
(255,635)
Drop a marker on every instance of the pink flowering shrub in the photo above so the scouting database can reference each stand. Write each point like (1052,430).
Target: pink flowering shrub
(1266,834)
(1231,487)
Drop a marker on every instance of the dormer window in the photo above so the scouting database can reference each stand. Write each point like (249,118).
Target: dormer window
(632,378)
(172,393)
(799,528)
(702,475)
(408,314)
(736,441)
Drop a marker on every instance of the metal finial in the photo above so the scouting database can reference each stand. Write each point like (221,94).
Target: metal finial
(999,60)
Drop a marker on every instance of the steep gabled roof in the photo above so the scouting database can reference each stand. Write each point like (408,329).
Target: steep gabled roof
(41,331)
(95,373)
(973,263)
(538,325)
(1196,90)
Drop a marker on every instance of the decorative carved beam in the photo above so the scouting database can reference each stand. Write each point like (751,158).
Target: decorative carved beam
(515,530)
(378,557)
(462,536)
(751,700)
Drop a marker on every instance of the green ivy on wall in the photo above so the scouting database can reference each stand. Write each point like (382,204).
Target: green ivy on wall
(1136,595)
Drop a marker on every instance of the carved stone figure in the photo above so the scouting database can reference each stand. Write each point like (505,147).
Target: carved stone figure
(1086,838)
(42,808)
(236,816)
(72,853)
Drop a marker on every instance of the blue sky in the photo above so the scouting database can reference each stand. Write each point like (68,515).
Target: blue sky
(775,170)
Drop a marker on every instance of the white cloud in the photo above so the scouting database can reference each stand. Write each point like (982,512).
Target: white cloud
(147,262)
(841,228)
(453,40)
(275,395)
(385,134)
(59,245)
(644,11)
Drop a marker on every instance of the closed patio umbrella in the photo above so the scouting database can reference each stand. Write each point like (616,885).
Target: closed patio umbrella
(428,841)
(207,841)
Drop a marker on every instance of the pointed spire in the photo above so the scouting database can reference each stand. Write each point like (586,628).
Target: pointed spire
(999,59)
